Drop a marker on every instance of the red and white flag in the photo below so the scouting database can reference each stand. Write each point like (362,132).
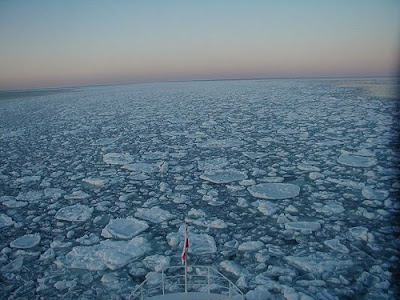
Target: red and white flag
(185,247)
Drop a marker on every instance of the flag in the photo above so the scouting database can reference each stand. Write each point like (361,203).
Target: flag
(185,247)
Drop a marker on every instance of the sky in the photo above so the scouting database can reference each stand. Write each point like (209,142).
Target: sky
(54,43)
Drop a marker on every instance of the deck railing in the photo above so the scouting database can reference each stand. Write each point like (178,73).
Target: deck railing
(203,279)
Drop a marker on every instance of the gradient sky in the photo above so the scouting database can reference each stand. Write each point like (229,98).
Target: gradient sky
(81,42)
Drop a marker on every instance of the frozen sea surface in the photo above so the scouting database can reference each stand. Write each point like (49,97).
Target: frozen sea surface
(289,186)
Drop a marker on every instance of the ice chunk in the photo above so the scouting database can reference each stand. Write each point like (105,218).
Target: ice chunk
(124,228)
(154,214)
(372,194)
(28,179)
(319,263)
(361,233)
(213,164)
(5,221)
(233,268)
(10,202)
(117,158)
(357,161)
(26,241)
(336,245)
(266,207)
(217,223)
(77,195)
(108,254)
(274,191)
(142,167)
(96,182)
(254,155)
(333,207)
(223,175)
(74,213)
(157,262)
(251,246)
(201,244)
(303,226)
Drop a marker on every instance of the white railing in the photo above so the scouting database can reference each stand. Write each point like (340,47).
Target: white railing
(203,279)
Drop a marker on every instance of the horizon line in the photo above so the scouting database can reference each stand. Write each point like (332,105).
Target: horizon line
(195,80)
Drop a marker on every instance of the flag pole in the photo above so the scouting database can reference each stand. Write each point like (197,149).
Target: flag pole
(186,273)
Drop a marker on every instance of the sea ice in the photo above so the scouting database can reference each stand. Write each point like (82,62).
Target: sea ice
(373,194)
(303,226)
(233,268)
(213,164)
(95,182)
(108,254)
(357,161)
(200,244)
(118,158)
(124,228)
(26,241)
(274,191)
(154,214)
(10,202)
(77,195)
(142,167)
(266,207)
(251,246)
(217,223)
(74,213)
(157,262)
(5,221)
(333,207)
(319,263)
(223,175)
(336,245)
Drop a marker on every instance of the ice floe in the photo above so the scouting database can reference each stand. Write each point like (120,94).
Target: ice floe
(303,226)
(223,175)
(274,191)
(357,161)
(124,228)
(118,158)
(154,214)
(74,213)
(108,254)
(5,221)
(26,241)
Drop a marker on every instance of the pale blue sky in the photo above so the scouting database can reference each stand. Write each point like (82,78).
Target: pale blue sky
(79,42)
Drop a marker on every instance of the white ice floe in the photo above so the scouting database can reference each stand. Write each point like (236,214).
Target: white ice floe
(5,221)
(28,179)
(303,226)
(11,202)
(157,262)
(251,246)
(95,182)
(77,195)
(274,191)
(361,233)
(266,207)
(118,158)
(124,228)
(108,254)
(373,194)
(142,167)
(233,268)
(255,155)
(213,164)
(201,244)
(223,175)
(154,214)
(53,193)
(217,223)
(26,241)
(319,263)
(336,245)
(74,213)
(333,207)
(357,161)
